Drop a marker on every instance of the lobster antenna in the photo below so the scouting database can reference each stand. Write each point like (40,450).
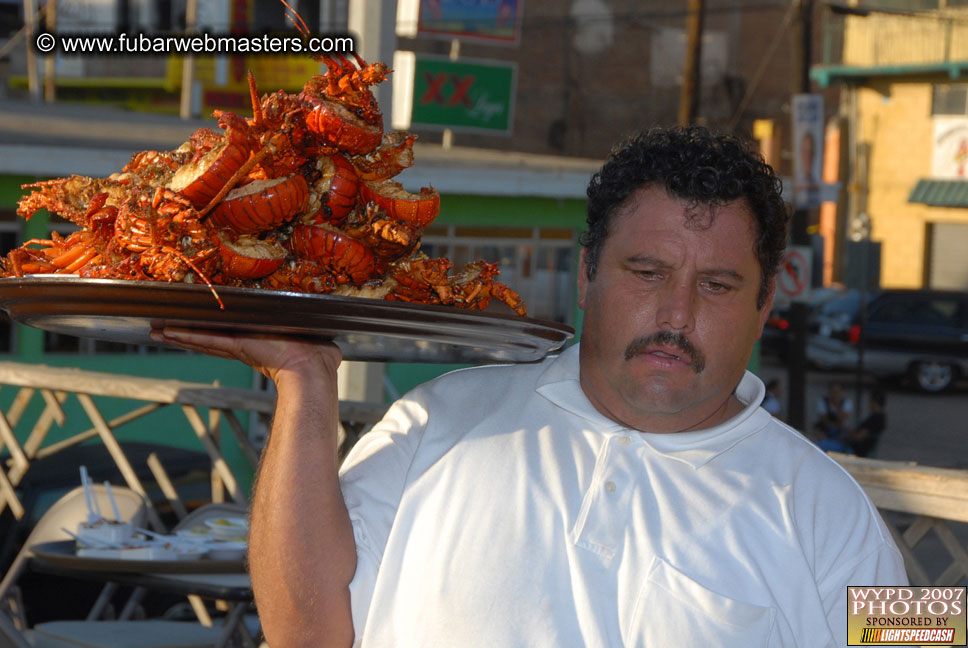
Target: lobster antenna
(257,115)
(300,26)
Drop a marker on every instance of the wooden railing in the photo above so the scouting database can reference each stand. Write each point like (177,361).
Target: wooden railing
(926,510)
(54,386)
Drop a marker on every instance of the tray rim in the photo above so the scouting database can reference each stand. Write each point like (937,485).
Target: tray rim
(528,339)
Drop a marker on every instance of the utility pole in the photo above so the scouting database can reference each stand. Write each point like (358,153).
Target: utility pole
(797,363)
(692,67)
(186,109)
(30,30)
(373,23)
(50,86)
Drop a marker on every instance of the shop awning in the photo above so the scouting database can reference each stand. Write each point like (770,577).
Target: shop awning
(940,193)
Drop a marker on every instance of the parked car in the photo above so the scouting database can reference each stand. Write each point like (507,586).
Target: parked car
(830,312)
(918,334)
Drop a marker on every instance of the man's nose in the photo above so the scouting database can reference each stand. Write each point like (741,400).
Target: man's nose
(677,306)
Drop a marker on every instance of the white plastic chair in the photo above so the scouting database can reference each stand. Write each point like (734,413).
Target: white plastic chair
(69,511)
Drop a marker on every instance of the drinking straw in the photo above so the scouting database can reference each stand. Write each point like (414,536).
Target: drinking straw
(91,515)
(114,503)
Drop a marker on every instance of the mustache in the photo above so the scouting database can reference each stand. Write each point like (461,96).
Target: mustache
(668,338)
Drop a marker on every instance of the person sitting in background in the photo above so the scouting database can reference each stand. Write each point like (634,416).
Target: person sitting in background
(864,439)
(834,410)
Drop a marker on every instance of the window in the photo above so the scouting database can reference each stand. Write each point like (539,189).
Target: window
(950,99)
(537,263)
(917,311)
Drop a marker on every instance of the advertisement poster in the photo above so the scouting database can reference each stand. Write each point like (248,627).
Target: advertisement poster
(807,150)
(949,156)
(465,95)
(494,21)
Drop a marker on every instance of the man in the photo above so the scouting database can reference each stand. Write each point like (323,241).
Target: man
(864,440)
(834,410)
(629,492)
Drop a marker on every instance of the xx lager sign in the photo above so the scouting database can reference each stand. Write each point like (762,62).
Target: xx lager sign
(464,95)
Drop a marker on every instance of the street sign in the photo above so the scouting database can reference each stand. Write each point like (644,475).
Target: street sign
(481,20)
(464,95)
(807,150)
(793,279)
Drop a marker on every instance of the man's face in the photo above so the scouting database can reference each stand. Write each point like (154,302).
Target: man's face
(670,316)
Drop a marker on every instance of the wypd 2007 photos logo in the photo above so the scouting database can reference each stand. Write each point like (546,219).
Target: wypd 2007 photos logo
(906,616)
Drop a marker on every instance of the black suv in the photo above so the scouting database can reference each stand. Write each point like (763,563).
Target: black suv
(921,334)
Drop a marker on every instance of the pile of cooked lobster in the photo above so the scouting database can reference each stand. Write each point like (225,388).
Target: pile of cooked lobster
(299,197)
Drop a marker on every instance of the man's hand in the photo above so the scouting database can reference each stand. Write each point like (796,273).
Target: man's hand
(272,356)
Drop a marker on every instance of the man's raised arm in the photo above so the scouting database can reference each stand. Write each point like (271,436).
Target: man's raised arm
(302,556)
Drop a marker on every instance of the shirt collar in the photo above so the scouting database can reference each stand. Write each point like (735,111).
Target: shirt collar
(559,383)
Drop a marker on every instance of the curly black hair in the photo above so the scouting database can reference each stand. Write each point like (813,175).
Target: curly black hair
(700,168)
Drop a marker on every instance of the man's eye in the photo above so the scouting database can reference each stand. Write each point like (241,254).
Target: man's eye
(715,286)
(648,274)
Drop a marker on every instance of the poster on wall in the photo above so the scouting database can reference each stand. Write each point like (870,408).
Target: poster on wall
(468,95)
(949,154)
(807,150)
(491,21)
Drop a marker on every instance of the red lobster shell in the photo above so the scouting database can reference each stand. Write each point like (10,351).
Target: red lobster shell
(262,204)
(341,186)
(394,154)
(339,127)
(418,210)
(349,259)
(247,257)
(200,180)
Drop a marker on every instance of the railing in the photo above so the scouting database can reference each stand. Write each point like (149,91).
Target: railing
(54,386)
(926,510)
(885,39)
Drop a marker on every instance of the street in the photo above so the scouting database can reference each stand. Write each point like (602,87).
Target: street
(928,429)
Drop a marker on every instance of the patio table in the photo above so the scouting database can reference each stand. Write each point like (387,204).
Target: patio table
(224,580)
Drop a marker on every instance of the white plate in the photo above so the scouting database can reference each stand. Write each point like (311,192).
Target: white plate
(228,527)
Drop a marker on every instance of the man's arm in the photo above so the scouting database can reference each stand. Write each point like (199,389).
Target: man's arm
(302,555)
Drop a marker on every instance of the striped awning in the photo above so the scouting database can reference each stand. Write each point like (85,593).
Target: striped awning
(941,193)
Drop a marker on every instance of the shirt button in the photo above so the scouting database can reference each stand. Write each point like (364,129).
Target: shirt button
(625,440)
(610,486)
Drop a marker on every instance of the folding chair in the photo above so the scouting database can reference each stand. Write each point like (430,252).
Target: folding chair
(67,513)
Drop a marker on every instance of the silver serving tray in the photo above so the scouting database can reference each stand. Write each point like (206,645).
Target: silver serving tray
(364,329)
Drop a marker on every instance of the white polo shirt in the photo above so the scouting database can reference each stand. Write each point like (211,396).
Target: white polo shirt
(495,507)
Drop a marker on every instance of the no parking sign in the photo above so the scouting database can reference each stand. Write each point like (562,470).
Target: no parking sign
(793,279)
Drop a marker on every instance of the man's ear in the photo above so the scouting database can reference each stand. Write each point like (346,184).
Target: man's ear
(582,279)
(768,304)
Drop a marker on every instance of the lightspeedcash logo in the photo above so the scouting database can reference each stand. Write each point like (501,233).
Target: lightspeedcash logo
(906,616)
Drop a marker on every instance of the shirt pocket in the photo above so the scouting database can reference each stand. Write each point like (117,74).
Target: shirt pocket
(674,610)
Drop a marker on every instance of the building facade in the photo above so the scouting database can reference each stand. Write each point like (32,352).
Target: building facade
(905,107)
